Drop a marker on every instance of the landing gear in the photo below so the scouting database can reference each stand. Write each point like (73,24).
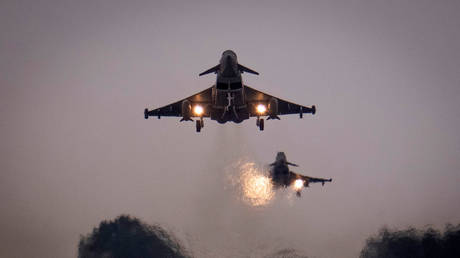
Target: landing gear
(198,126)
(261,124)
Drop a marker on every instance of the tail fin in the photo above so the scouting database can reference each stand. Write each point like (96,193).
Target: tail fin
(245,69)
(211,70)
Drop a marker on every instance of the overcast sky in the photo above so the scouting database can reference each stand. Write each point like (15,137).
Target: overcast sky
(75,77)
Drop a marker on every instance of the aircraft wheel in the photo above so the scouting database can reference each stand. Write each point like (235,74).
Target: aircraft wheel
(202,122)
(257,122)
(261,124)
(198,126)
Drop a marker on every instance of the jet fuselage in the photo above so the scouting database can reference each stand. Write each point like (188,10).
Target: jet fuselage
(228,93)
(280,174)
(281,165)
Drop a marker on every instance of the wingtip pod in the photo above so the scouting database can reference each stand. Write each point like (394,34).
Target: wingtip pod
(327,180)
(313,109)
(146,113)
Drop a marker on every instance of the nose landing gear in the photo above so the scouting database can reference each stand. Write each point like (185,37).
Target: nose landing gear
(199,124)
(260,123)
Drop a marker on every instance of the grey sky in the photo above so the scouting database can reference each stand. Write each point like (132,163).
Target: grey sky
(75,77)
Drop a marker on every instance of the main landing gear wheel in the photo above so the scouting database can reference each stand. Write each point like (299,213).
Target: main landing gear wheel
(198,126)
(261,124)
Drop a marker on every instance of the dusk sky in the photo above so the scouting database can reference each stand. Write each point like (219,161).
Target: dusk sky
(75,77)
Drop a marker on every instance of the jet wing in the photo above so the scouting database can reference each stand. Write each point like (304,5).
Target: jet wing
(317,180)
(294,176)
(204,98)
(255,97)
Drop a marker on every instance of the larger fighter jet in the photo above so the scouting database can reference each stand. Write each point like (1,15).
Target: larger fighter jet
(229,99)
(283,177)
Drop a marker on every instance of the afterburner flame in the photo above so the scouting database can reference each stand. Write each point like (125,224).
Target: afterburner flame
(261,108)
(257,188)
(298,184)
(198,110)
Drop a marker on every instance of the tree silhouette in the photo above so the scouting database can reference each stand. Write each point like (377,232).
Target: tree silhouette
(414,243)
(129,237)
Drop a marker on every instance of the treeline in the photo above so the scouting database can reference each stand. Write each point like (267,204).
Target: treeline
(414,243)
(129,237)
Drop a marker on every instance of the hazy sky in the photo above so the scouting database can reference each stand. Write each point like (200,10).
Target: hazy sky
(75,77)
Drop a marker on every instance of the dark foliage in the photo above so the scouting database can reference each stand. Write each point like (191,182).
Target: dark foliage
(286,253)
(128,237)
(414,243)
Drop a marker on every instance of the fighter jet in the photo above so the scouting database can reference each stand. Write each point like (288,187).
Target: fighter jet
(229,99)
(282,177)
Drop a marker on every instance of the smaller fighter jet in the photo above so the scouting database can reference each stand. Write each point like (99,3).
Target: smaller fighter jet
(282,177)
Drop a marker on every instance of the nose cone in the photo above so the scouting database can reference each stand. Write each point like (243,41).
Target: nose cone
(229,53)
(229,56)
(229,64)
(280,156)
(228,59)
